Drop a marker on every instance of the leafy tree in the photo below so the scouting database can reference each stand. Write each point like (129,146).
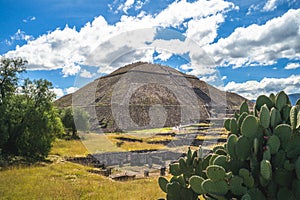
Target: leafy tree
(74,120)
(9,71)
(81,118)
(28,122)
(9,74)
(68,121)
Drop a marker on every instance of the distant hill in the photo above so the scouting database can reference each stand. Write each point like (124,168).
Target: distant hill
(135,90)
(294,98)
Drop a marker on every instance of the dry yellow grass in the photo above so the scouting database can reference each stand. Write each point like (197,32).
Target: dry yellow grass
(65,180)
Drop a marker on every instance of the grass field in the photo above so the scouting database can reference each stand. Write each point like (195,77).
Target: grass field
(60,179)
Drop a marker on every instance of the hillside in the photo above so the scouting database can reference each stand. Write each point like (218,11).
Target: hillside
(143,95)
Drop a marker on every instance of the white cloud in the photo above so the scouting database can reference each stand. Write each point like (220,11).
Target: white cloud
(260,44)
(292,66)
(58,91)
(224,78)
(126,6)
(68,48)
(270,5)
(163,55)
(71,90)
(86,74)
(253,8)
(139,4)
(204,30)
(252,89)
(30,18)
(19,35)
(178,11)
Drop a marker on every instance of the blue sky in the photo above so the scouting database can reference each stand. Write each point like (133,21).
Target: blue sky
(248,47)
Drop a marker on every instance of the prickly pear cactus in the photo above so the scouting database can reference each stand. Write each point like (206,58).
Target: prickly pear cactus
(260,160)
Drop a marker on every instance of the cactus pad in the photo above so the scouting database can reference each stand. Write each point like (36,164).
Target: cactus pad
(244,108)
(293,116)
(249,126)
(284,133)
(274,144)
(275,117)
(243,148)
(221,160)
(233,126)
(296,188)
(241,119)
(248,179)
(297,167)
(178,179)
(231,141)
(285,193)
(215,172)
(196,184)
(182,164)
(173,190)
(285,112)
(175,170)
(267,154)
(266,169)
(215,187)
(264,116)
(246,197)
(236,186)
(279,159)
(162,182)
(255,193)
(281,100)
(262,100)
(283,177)
(227,124)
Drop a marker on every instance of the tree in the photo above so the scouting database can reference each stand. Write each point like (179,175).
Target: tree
(9,71)
(76,119)
(9,76)
(81,118)
(29,122)
(68,121)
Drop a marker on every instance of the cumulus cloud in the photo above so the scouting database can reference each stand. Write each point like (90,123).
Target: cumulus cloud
(139,4)
(260,44)
(71,90)
(19,35)
(253,8)
(251,89)
(58,91)
(177,12)
(204,30)
(292,66)
(270,5)
(86,74)
(163,55)
(126,6)
(68,48)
